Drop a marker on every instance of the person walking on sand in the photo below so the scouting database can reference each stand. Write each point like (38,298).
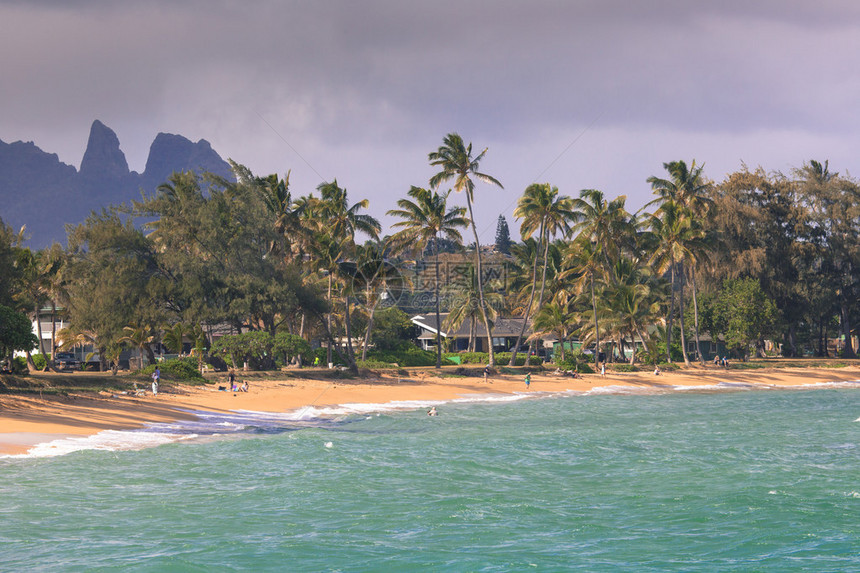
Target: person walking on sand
(156,378)
(603,369)
(528,380)
(487,373)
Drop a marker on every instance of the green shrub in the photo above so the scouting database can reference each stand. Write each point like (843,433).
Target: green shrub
(470,357)
(573,365)
(19,366)
(374,364)
(625,368)
(178,368)
(408,355)
(40,361)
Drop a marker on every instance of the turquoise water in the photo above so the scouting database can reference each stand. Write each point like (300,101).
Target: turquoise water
(721,481)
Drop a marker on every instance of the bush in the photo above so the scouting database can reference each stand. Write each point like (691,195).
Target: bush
(40,361)
(178,368)
(573,365)
(470,357)
(374,364)
(625,368)
(19,366)
(408,355)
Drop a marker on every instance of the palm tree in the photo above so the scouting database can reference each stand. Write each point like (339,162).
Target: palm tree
(605,223)
(140,336)
(687,187)
(583,262)
(173,337)
(677,236)
(289,223)
(424,220)
(465,306)
(542,210)
(455,161)
(373,274)
(339,217)
(554,319)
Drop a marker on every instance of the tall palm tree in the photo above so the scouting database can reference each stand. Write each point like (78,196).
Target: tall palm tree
(455,160)
(424,219)
(339,217)
(685,186)
(677,236)
(605,223)
(542,210)
(289,223)
(583,263)
(688,189)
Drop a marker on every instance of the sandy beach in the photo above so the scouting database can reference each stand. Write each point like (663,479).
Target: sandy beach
(29,420)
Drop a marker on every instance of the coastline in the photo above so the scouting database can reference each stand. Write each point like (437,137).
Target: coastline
(27,421)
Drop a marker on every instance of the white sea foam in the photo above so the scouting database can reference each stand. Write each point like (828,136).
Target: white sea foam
(111,440)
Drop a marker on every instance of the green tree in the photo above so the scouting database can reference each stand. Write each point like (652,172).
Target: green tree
(503,236)
(455,161)
(290,346)
(16,333)
(745,314)
(426,217)
(112,278)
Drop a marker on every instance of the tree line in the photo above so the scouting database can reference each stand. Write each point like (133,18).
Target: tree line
(758,256)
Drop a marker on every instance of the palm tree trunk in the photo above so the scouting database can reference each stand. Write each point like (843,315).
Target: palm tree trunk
(350,353)
(53,333)
(671,312)
(528,308)
(328,322)
(696,318)
(596,325)
(681,317)
(472,321)
(492,359)
(438,303)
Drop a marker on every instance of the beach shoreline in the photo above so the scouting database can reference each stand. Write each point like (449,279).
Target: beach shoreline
(27,420)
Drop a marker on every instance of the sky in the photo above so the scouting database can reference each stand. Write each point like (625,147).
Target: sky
(581,94)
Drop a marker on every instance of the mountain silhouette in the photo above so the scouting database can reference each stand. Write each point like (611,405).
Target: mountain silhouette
(43,193)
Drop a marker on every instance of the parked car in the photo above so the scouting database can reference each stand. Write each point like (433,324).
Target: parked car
(66,361)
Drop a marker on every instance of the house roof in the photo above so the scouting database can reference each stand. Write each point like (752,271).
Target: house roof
(502,328)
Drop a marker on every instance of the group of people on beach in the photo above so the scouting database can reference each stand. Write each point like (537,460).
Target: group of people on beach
(231,379)
(724,361)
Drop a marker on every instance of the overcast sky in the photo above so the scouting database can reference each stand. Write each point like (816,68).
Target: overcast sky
(581,94)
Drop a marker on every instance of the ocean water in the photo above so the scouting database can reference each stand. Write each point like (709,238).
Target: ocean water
(727,479)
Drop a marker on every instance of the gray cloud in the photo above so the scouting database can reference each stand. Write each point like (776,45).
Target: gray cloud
(362,91)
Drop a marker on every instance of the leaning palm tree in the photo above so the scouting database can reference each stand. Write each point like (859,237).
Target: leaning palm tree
(456,162)
(424,219)
(542,210)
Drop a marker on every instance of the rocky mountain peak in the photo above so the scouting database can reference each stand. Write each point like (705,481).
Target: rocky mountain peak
(103,157)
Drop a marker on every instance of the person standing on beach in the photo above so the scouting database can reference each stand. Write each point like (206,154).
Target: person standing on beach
(231,380)
(487,373)
(603,369)
(528,380)
(156,377)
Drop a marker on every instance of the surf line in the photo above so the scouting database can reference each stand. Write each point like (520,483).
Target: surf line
(314,401)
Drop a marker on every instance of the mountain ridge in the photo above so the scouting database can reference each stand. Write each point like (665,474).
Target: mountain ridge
(43,193)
